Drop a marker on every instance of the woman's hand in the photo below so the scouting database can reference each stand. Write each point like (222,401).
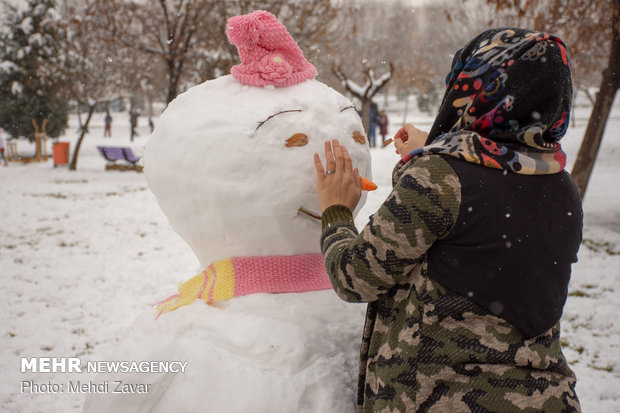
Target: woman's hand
(338,183)
(409,138)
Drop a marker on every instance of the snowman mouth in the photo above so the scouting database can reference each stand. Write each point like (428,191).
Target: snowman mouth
(311,214)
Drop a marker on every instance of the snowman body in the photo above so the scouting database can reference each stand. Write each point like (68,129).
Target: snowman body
(231,167)
(259,353)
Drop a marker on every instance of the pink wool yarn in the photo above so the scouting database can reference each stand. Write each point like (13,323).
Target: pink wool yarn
(268,53)
(239,276)
(280,274)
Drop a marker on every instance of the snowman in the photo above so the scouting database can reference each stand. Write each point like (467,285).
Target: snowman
(230,162)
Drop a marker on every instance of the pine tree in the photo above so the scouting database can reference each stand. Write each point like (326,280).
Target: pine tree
(29,87)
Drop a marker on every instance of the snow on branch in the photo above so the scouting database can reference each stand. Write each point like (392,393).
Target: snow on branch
(370,87)
(9,67)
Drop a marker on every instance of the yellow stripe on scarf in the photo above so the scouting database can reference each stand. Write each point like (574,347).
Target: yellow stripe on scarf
(224,284)
(188,292)
(209,285)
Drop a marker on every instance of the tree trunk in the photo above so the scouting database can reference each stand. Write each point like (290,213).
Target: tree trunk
(83,131)
(600,112)
(79,116)
(174,73)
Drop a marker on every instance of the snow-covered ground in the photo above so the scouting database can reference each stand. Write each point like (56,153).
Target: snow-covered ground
(83,253)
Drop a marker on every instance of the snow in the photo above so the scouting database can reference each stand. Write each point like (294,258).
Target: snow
(370,86)
(285,352)
(16,88)
(35,39)
(84,254)
(26,25)
(8,66)
(23,52)
(354,87)
(376,83)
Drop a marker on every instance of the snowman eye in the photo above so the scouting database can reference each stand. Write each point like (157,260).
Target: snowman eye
(348,107)
(275,114)
(359,137)
(298,139)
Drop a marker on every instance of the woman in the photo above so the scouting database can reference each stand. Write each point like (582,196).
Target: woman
(465,266)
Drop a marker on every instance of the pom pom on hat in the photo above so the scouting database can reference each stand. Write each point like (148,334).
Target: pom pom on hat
(268,53)
(244,29)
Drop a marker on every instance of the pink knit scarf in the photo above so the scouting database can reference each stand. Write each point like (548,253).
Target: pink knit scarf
(236,277)
(279,274)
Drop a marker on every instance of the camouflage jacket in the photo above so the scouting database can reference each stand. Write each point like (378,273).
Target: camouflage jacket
(424,347)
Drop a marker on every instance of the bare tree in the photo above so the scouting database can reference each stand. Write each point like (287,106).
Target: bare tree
(366,92)
(172,30)
(590,29)
(396,34)
(93,65)
(189,36)
(610,83)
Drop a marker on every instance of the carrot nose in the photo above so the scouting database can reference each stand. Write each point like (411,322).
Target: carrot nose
(368,185)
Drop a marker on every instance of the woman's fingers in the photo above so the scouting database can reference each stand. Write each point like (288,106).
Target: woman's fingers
(339,157)
(318,165)
(344,187)
(409,138)
(348,163)
(330,164)
(398,144)
(402,134)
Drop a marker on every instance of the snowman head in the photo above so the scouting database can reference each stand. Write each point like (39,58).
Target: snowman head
(231,163)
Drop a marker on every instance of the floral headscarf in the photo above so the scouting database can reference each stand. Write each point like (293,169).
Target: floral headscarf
(507,103)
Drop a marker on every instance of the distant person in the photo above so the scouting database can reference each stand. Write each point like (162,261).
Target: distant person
(382,121)
(151,124)
(133,122)
(2,147)
(107,131)
(372,126)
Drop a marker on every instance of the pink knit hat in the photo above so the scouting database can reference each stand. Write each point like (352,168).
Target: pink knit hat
(269,55)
